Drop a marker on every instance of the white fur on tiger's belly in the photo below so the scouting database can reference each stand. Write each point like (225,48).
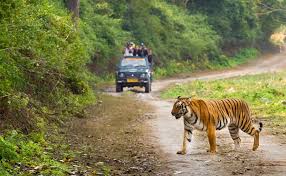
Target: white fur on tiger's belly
(200,126)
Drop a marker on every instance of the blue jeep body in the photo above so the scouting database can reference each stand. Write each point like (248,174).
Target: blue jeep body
(133,71)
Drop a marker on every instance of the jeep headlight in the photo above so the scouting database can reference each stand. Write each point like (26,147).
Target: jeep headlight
(121,75)
(143,75)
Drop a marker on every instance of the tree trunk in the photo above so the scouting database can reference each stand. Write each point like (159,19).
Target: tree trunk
(182,3)
(73,6)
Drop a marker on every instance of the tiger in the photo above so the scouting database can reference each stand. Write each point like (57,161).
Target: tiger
(212,115)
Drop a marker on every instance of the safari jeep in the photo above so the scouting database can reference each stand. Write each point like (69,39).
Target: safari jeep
(133,71)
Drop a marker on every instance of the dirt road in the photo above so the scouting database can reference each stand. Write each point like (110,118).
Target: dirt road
(167,134)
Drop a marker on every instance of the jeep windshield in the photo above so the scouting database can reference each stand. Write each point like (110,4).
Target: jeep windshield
(133,62)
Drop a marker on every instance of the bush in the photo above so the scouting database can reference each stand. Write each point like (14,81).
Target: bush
(40,51)
(174,67)
(22,155)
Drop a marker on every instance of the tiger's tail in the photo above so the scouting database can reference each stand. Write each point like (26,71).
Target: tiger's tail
(253,130)
(260,127)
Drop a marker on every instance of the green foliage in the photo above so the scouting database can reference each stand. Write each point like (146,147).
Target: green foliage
(242,23)
(7,150)
(235,21)
(42,58)
(194,32)
(272,14)
(174,67)
(170,31)
(241,57)
(26,155)
(265,93)
(244,55)
(103,34)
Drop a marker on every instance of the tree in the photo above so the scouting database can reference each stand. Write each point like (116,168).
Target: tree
(73,6)
(271,14)
(235,21)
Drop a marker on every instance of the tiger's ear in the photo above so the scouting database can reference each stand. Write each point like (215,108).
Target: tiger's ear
(179,97)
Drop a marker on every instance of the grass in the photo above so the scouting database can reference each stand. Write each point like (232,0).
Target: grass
(265,93)
(104,81)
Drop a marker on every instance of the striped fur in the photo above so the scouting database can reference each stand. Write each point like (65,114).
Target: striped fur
(212,115)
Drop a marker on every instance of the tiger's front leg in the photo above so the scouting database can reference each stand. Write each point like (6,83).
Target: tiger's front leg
(212,138)
(187,137)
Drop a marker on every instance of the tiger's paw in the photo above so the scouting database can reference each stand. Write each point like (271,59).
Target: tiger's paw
(236,146)
(255,147)
(181,152)
(256,142)
(211,151)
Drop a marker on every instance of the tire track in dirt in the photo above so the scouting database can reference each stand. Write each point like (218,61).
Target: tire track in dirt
(270,159)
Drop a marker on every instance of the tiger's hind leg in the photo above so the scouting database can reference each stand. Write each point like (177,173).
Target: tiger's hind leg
(256,137)
(256,141)
(249,129)
(234,133)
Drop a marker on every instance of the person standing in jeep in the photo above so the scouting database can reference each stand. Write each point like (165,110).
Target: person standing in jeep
(128,50)
(133,50)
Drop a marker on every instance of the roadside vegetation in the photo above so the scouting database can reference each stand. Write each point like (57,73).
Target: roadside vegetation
(28,155)
(173,67)
(265,94)
(43,80)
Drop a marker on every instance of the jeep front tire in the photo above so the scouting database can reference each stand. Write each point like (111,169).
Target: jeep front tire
(119,88)
(148,87)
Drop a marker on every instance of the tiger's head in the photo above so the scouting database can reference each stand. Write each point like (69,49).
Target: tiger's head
(180,107)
